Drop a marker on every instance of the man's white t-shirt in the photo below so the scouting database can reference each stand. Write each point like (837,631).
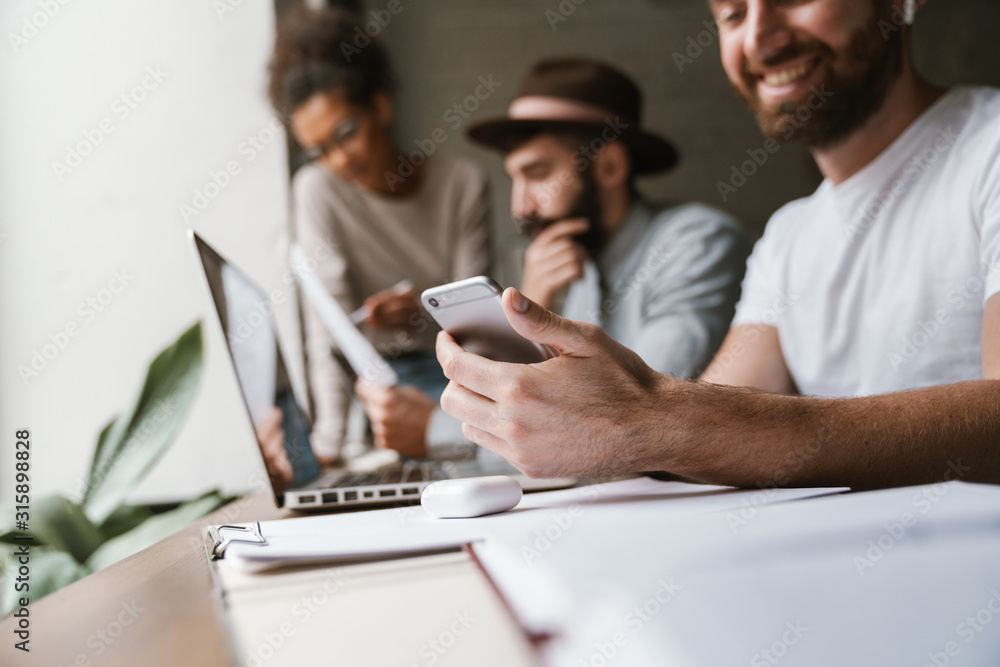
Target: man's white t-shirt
(878,284)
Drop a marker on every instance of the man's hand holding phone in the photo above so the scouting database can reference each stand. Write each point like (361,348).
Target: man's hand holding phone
(553,260)
(559,418)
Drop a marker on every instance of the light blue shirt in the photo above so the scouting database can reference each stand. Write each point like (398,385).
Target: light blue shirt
(666,286)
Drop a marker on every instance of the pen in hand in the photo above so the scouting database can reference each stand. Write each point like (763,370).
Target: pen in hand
(364,312)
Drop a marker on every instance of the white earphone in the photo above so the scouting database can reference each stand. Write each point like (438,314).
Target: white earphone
(910,12)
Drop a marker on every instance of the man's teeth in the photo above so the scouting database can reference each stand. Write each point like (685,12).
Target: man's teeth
(785,77)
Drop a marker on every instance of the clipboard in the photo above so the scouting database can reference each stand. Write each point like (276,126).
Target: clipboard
(262,546)
(405,531)
(281,552)
(317,610)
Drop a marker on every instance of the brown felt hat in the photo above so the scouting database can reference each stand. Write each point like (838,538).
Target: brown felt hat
(574,92)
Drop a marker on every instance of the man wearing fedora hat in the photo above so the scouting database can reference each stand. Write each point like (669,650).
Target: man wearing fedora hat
(662,281)
(865,351)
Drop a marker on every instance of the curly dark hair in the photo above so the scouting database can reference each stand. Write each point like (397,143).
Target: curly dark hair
(319,51)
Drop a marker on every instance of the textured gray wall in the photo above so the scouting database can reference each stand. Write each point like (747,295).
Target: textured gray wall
(441,47)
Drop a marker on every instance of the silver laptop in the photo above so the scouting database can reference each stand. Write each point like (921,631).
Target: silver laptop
(296,478)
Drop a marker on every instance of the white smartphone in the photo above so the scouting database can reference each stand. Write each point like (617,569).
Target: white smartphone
(471,311)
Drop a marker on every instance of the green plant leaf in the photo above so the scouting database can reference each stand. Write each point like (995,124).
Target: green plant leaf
(103,453)
(59,523)
(154,529)
(50,571)
(124,519)
(129,446)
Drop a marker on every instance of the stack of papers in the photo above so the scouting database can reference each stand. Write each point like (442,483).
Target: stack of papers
(641,572)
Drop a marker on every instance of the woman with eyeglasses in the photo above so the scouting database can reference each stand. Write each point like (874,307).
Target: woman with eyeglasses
(381,227)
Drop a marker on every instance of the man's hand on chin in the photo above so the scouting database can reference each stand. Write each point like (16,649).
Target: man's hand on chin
(591,412)
(553,260)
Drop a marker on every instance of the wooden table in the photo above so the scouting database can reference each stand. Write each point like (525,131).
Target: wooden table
(153,608)
(161,607)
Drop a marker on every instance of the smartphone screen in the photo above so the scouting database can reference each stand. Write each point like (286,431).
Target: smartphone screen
(471,311)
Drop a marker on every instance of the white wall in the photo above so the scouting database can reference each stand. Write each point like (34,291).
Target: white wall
(65,235)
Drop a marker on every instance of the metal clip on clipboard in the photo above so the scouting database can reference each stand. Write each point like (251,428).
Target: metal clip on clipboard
(223,536)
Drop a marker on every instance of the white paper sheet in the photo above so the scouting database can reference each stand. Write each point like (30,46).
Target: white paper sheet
(882,578)
(358,351)
(346,537)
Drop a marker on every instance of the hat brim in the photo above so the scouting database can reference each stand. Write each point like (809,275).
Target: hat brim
(650,153)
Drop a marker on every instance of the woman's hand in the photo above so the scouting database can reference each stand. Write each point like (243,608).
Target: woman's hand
(398,415)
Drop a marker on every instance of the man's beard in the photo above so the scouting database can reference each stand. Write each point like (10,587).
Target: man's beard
(873,64)
(587,205)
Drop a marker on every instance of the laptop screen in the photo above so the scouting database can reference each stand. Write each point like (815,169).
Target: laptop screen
(251,338)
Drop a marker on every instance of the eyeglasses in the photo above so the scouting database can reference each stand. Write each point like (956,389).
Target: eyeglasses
(345,131)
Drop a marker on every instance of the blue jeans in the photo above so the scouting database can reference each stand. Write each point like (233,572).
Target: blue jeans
(422,370)
(300,455)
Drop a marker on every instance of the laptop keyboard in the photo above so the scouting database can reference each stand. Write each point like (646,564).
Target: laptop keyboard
(409,472)
(369,486)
